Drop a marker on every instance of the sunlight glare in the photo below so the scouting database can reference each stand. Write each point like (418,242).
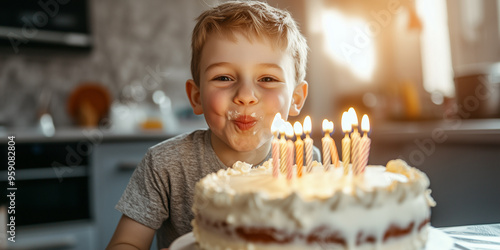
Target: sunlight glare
(349,44)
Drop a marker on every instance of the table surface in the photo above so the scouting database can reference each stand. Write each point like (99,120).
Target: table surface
(485,236)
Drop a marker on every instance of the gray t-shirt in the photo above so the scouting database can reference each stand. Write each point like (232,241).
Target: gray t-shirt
(160,192)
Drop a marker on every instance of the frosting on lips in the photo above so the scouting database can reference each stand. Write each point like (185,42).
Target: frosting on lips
(243,121)
(247,204)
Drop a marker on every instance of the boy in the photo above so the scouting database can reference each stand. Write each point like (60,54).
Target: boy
(248,63)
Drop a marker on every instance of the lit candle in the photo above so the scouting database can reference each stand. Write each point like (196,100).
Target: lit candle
(308,142)
(283,154)
(299,148)
(333,149)
(355,137)
(346,142)
(290,150)
(326,143)
(364,148)
(275,144)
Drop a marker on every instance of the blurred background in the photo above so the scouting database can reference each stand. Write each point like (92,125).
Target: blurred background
(87,86)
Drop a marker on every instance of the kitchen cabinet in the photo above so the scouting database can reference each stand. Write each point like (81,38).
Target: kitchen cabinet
(113,160)
(113,164)
(99,161)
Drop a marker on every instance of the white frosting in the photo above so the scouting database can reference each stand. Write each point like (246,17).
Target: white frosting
(371,203)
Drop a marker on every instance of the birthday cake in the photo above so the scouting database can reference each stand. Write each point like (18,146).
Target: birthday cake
(249,208)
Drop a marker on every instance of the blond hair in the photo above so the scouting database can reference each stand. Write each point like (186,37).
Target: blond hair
(253,19)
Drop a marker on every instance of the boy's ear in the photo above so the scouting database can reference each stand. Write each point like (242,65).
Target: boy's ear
(193,93)
(299,98)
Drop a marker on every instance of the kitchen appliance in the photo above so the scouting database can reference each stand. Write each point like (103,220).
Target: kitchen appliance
(52,181)
(55,24)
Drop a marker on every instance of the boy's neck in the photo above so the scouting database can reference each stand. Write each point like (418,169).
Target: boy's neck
(229,156)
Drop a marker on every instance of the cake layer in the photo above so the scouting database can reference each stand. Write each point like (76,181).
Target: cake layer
(265,239)
(321,234)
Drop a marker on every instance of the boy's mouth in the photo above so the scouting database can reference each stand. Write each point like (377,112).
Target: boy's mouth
(245,122)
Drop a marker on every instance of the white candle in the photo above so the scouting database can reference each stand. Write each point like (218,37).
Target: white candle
(283,153)
(364,149)
(355,138)
(326,143)
(346,142)
(290,150)
(308,142)
(275,144)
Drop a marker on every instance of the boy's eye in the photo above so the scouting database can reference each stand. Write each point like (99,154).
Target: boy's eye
(222,78)
(267,79)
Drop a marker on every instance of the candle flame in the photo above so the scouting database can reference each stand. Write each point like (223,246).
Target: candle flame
(346,122)
(365,123)
(288,130)
(307,125)
(277,123)
(298,129)
(354,116)
(327,126)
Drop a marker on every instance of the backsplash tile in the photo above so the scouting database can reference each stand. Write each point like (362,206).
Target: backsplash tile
(136,43)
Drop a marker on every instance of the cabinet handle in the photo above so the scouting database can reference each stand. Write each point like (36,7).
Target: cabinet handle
(126,166)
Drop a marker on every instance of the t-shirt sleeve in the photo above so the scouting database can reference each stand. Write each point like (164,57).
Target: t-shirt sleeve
(145,199)
(316,154)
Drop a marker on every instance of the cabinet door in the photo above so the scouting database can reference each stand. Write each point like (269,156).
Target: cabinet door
(463,177)
(112,165)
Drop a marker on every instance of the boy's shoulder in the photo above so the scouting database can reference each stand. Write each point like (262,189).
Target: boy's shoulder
(173,155)
(183,143)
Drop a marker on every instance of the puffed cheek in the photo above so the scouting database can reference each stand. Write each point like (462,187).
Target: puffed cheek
(281,105)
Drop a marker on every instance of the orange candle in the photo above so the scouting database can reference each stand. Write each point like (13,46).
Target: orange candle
(299,148)
(333,149)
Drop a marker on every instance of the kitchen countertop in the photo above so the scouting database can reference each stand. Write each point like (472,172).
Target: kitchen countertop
(35,135)
(470,131)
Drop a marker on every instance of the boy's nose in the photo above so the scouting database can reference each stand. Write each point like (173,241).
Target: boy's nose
(245,94)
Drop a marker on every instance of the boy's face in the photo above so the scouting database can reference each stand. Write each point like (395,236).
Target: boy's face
(243,85)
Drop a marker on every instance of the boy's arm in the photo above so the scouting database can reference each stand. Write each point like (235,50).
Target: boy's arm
(130,234)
